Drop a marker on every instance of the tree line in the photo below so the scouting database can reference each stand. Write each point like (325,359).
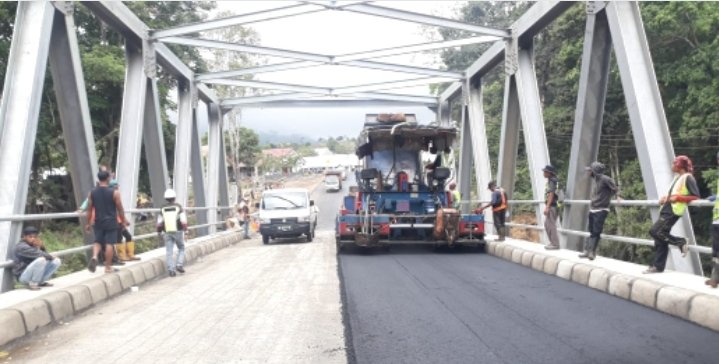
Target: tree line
(684,49)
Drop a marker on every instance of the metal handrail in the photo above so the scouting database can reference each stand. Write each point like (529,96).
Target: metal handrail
(637,203)
(80,249)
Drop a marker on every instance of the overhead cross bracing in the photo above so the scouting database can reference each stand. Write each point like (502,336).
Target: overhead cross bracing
(327,94)
(44,33)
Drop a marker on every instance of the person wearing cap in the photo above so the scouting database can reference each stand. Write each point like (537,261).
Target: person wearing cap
(499,209)
(244,211)
(683,190)
(456,195)
(106,205)
(172,222)
(33,264)
(603,188)
(713,280)
(550,207)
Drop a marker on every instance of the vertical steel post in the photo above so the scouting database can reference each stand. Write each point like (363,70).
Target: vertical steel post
(509,138)
(154,142)
(444,113)
(183,140)
(480,148)
(132,122)
(464,171)
(535,140)
(19,111)
(224,185)
(646,112)
(69,84)
(213,165)
(588,119)
(197,168)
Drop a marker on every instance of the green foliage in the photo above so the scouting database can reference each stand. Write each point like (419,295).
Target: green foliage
(684,46)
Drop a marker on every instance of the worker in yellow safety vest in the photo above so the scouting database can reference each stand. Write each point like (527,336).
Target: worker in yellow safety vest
(172,222)
(456,195)
(673,205)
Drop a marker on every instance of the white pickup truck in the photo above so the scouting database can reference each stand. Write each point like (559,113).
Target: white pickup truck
(286,213)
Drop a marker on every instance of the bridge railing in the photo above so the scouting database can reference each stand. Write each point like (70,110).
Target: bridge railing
(624,239)
(85,247)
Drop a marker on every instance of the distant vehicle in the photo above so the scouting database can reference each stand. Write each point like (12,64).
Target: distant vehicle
(399,198)
(286,213)
(333,182)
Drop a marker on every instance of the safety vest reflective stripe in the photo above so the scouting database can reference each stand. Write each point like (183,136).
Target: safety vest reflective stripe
(169,216)
(503,205)
(456,197)
(716,206)
(680,189)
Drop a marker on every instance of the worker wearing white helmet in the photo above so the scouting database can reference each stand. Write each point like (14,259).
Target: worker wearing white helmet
(172,221)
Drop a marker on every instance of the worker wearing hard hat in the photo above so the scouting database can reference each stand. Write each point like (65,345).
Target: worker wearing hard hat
(172,221)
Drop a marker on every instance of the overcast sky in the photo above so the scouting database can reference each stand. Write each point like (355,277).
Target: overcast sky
(334,33)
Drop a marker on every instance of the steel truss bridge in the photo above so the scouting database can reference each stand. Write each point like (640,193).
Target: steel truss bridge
(45,31)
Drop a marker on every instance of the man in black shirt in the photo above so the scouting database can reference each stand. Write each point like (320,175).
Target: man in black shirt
(108,208)
(673,205)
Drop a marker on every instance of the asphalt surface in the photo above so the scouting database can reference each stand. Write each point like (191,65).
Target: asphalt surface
(414,305)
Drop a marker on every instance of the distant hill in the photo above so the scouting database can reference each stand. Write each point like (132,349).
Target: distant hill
(275,137)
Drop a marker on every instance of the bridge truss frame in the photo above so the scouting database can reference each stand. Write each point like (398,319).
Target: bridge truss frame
(46,30)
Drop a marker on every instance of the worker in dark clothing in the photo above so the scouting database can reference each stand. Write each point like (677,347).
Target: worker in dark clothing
(108,209)
(33,264)
(551,212)
(682,191)
(713,281)
(603,188)
(499,209)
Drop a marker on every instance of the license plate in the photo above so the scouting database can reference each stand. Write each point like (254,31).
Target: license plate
(284,228)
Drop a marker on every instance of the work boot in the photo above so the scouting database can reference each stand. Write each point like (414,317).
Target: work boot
(591,255)
(585,254)
(180,269)
(92,265)
(121,251)
(131,251)
(502,231)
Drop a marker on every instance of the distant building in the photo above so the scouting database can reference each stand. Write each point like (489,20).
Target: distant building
(328,162)
(283,160)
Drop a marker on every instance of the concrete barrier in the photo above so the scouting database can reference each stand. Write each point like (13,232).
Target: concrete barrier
(644,292)
(35,314)
(81,298)
(550,265)
(564,269)
(60,304)
(12,324)
(599,279)
(538,262)
(620,285)
(703,311)
(675,301)
(527,258)
(26,317)
(517,255)
(507,252)
(490,247)
(580,273)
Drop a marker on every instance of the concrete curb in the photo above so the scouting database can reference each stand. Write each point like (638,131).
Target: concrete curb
(26,317)
(680,302)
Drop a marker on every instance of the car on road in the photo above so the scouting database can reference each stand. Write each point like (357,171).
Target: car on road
(287,213)
(332,182)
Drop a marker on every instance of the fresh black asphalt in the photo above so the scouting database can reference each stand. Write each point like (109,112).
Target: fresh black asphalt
(415,305)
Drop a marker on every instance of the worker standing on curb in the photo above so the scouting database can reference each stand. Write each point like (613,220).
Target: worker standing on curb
(602,191)
(713,281)
(499,209)
(551,212)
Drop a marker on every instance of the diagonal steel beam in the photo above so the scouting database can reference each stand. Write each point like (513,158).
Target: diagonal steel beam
(255,70)
(390,85)
(254,17)
(402,68)
(424,19)
(267,51)
(304,64)
(271,86)
(414,48)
